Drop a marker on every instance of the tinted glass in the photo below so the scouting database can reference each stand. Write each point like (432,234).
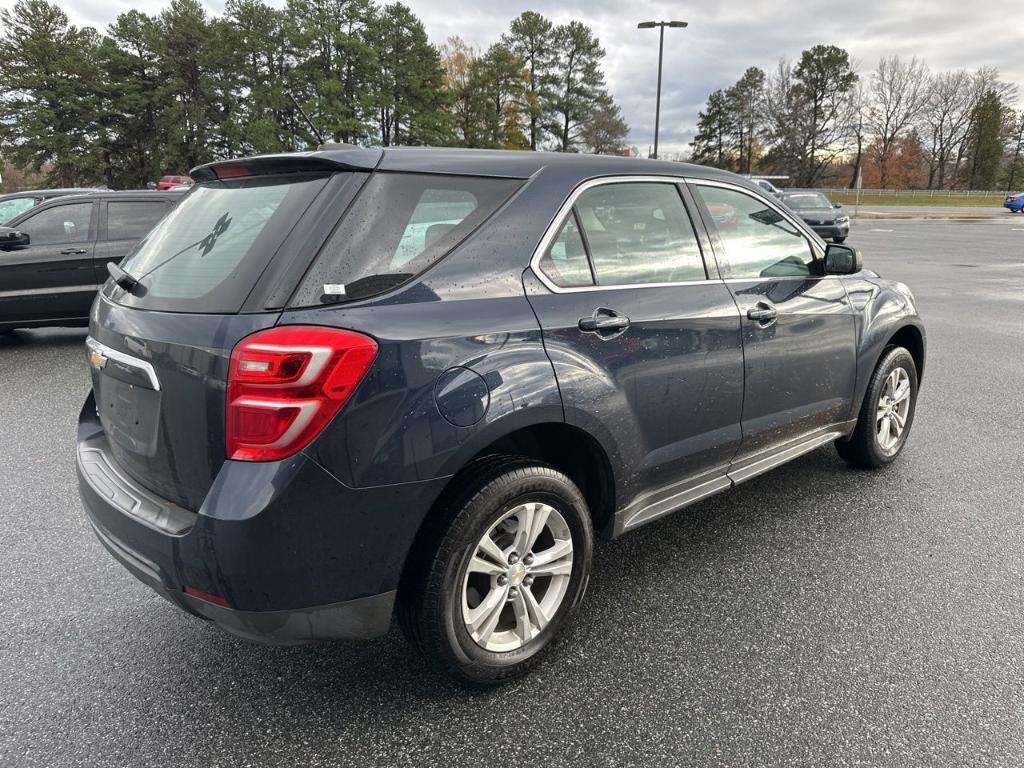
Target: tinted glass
(131,219)
(14,207)
(61,224)
(758,241)
(208,252)
(398,226)
(639,233)
(566,263)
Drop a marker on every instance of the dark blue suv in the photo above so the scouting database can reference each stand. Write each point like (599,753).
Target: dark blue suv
(334,386)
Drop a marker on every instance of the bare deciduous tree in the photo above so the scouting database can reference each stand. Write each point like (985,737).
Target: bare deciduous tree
(945,120)
(899,91)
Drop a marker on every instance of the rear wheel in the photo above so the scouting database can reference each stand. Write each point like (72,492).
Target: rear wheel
(494,589)
(886,414)
(838,239)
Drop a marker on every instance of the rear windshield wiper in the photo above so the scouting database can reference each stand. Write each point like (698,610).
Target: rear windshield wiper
(123,278)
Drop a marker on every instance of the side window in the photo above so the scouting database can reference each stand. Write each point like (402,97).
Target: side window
(61,224)
(758,241)
(437,212)
(132,219)
(639,232)
(14,207)
(565,263)
(398,226)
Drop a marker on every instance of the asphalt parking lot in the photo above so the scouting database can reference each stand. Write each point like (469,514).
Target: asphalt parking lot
(815,616)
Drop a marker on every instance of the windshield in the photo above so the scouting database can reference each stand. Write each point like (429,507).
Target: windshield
(811,200)
(14,207)
(208,252)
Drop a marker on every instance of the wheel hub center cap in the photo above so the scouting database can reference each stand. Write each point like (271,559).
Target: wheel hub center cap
(516,574)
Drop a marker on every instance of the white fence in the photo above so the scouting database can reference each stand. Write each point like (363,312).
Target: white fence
(919,192)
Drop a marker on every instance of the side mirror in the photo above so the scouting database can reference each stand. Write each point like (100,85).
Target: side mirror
(842,260)
(838,205)
(12,238)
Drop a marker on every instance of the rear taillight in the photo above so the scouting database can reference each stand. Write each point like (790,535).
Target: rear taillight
(285,384)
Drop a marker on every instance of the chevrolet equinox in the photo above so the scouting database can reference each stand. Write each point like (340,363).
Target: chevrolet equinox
(335,386)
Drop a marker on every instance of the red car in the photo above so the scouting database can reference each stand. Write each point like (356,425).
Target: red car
(167,182)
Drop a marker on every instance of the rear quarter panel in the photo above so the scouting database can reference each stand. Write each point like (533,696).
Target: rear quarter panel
(468,311)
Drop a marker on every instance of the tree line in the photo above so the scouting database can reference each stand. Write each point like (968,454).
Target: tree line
(821,122)
(159,94)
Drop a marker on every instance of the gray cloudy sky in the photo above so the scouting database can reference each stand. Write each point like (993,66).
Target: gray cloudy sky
(723,39)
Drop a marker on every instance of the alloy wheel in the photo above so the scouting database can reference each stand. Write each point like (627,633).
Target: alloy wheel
(517,577)
(892,410)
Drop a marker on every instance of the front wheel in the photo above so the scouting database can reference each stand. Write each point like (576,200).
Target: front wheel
(886,414)
(491,592)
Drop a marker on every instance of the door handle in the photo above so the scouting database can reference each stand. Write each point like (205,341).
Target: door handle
(606,323)
(763,313)
(73,250)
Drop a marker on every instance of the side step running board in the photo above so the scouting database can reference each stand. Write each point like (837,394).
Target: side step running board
(674,497)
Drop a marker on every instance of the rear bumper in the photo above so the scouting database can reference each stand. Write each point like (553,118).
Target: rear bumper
(361,618)
(294,555)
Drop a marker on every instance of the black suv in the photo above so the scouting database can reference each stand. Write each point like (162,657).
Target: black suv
(53,257)
(337,385)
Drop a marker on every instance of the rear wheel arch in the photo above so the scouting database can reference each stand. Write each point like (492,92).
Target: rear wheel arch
(561,446)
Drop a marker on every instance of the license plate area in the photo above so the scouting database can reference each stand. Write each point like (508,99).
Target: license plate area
(130,414)
(127,398)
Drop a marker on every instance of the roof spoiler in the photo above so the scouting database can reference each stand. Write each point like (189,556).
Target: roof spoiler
(328,158)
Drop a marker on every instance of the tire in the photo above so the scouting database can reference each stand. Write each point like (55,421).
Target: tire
(440,594)
(838,239)
(865,446)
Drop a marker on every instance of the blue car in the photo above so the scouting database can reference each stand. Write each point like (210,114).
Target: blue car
(1015,203)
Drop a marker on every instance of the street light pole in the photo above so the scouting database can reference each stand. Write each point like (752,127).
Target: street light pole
(661,50)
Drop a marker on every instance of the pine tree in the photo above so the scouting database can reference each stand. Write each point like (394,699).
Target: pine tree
(578,84)
(985,143)
(499,90)
(715,126)
(407,86)
(745,105)
(531,38)
(606,131)
(50,94)
(133,105)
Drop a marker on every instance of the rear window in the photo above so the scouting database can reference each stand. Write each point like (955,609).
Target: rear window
(208,252)
(399,225)
(131,219)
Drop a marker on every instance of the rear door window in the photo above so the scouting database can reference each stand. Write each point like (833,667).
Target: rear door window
(132,219)
(565,262)
(400,224)
(208,252)
(639,233)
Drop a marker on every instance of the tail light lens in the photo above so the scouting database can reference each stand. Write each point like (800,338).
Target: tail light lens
(285,384)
